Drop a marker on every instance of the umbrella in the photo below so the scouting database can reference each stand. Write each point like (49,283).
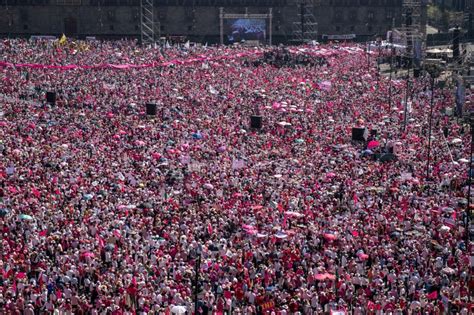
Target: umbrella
(329,237)
(320,277)
(281,235)
(299,141)
(109,247)
(145,205)
(330,276)
(445,228)
(373,144)
(4,212)
(88,255)
(448,209)
(456,141)
(208,186)
(178,309)
(448,271)
(26,217)
(293,214)
(247,227)
(197,136)
(284,123)
(463,160)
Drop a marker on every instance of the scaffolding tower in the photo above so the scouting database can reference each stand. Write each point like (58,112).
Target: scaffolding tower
(147,22)
(305,29)
(412,33)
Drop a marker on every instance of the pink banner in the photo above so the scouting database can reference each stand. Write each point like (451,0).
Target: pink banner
(200,59)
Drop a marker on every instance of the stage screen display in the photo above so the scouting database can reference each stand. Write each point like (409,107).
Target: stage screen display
(245,29)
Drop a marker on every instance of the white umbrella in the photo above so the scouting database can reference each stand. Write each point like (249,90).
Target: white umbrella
(449,271)
(281,235)
(208,186)
(456,140)
(445,228)
(294,214)
(463,160)
(178,309)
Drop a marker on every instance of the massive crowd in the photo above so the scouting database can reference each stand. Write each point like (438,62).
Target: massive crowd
(104,210)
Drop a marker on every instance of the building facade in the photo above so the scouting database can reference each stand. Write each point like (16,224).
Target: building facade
(197,20)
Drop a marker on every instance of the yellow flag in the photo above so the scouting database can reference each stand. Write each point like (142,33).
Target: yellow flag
(63,40)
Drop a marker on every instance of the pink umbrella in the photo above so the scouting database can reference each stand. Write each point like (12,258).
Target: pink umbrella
(363,256)
(330,276)
(373,144)
(88,255)
(320,276)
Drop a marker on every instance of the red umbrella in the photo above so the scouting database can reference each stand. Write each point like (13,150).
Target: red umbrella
(373,144)
(329,237)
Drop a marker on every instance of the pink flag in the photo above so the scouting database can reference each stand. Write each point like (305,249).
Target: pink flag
(284,224)
(209,228)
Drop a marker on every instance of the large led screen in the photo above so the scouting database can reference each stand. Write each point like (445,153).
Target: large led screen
(245,29)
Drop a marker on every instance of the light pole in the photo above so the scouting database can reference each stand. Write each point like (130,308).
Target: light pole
(429,129)
(468,209)
(405,109)
(197,268)
(391,70)
(434,72)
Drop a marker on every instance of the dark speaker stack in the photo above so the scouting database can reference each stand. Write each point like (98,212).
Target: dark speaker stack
(51,97)
(359,134)
(456,36)
(151,109)
(256,122)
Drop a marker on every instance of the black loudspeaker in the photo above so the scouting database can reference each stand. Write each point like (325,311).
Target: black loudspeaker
(456,36)
(51,97)
(417,73)
(408,17)
(359,134)
(151,109)
(256,122)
